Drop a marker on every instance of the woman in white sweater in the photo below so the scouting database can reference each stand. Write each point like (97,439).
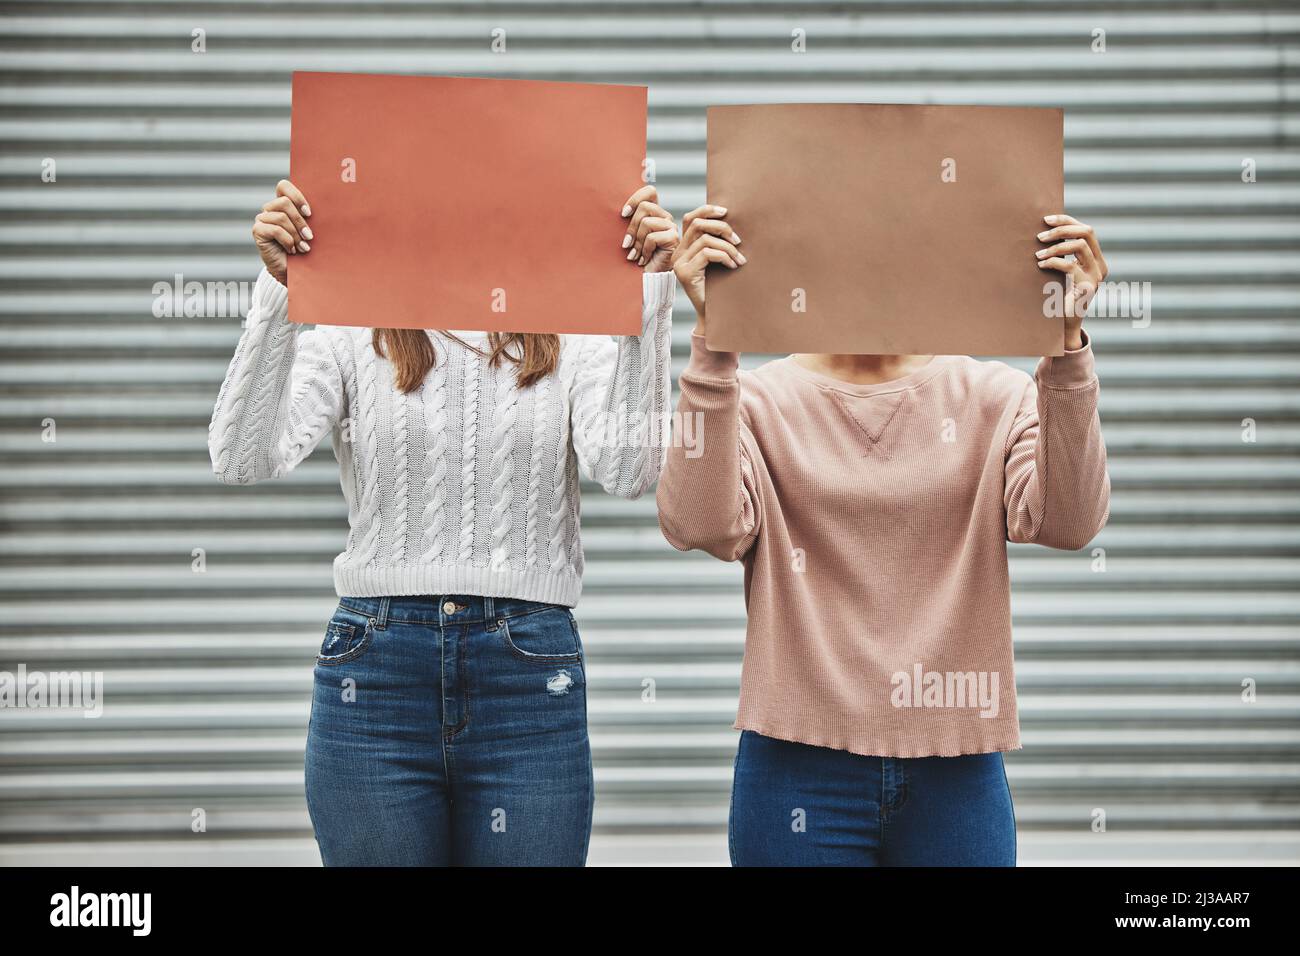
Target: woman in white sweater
(449,715)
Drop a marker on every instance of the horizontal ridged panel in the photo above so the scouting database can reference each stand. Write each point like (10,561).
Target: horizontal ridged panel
(1130,678)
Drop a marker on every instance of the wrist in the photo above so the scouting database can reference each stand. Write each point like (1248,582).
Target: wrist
(706,363)
(697,303)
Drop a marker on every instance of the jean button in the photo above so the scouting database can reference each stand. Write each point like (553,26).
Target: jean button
(449,607)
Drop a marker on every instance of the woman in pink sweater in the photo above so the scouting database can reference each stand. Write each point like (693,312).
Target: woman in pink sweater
(871,498)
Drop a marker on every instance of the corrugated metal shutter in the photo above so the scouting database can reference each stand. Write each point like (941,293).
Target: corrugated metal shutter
(1131,679)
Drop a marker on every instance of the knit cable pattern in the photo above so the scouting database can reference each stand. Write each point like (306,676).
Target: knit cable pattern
(541,427)
(504,414)
(434,394)
(508,528)
(401,477)
(469,459)
(557,546)
(367,439)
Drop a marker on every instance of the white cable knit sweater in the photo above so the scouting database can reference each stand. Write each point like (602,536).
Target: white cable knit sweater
(468,485)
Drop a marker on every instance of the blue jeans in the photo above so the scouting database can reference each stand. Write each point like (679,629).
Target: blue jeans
(450,730)
(797,805)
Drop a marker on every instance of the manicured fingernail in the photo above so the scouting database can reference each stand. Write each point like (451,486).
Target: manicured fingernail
(1042,265)
(741,259)
(304,247)
(1041,253)
(627,211)
(631,255)
(627,241)
(722,210)
(1050,218)
(735,237)
(641,261)
(306,210)
(306,232)
(1043,235)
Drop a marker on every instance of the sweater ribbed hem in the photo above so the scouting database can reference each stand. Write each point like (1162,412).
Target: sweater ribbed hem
(708,363)
(1074,369)
(404,580)
(269,297)
(657,288)
(947,745)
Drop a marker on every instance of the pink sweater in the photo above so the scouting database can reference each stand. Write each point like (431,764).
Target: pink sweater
(872,521)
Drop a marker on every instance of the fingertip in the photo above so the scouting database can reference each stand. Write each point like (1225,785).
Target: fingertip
(306,209)
(627,211)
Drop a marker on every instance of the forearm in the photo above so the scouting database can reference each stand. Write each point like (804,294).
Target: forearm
(242,434)
(1066,500)
(703,502)
(621,413)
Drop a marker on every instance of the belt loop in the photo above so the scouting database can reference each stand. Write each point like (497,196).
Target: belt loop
(381,621)
(489,610)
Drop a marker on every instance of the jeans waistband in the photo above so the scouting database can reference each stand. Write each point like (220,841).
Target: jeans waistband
(441,608)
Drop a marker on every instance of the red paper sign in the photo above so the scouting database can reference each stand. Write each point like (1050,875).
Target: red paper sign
(455,203)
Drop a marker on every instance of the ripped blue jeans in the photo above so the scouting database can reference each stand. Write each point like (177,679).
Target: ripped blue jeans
(450,730)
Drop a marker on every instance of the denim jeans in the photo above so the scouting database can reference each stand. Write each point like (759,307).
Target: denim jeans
(797,805)
(450,730)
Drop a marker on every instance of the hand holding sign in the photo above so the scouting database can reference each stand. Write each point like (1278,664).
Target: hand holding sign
(710,241)
(280,229)
(706,239)
(1066,236)
(651,235)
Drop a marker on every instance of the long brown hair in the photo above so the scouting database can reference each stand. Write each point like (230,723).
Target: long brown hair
(412,353)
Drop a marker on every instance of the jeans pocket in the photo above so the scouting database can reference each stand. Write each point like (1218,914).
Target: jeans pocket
(344,641)
(542,637)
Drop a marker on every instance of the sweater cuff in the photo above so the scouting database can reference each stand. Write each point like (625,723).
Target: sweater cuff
(657,289)
(269,297)
(707,363)
(1071,370)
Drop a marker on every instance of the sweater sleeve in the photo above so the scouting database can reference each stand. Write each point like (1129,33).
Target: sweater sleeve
(619,394)
(282,393)
(1057,490)
(708,497)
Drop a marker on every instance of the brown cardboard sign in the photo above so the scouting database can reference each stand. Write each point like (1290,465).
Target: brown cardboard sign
(873,229)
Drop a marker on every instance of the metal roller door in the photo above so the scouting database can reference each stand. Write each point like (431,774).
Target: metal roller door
(1131,677)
